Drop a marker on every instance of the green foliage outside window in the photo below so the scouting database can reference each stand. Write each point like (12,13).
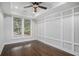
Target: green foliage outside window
(27,27)
(17,26)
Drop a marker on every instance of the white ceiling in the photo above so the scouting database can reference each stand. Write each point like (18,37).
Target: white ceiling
(57,9)
(17,8)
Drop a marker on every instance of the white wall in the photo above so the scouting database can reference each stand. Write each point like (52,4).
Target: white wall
(1,32)
(49,30)
(61,30)
(7,27)
(34,29)
(8,31)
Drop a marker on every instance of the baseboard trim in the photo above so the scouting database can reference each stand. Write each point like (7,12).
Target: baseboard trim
(55,46)
(17,40)
(10,42)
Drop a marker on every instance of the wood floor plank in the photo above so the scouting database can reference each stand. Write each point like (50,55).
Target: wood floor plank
(32,48)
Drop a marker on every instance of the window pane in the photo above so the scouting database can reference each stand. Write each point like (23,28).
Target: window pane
(27,27)
(17,26)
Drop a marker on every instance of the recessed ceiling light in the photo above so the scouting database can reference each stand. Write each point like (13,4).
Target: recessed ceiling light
(16,7)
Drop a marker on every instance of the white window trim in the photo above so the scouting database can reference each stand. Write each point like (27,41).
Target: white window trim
(22,30)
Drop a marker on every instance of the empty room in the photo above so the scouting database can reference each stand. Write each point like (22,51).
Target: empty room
(39,28)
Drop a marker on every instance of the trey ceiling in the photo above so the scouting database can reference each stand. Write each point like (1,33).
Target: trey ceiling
(17,8)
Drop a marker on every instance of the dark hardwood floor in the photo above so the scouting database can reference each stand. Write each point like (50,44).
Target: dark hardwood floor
(32,48)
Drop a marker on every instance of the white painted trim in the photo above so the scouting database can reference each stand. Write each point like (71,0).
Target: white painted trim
(45,37)
(14,41)
(61,12)
(62,29)
(12,28)
(54,46)
(50,17)
(31,28)
(22,27)
(73,30)
(18,40)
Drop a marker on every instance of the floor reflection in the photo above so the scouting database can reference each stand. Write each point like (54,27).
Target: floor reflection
(20,47)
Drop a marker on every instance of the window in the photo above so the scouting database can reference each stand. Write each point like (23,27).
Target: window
(26,27)
(17,26)
(18,29)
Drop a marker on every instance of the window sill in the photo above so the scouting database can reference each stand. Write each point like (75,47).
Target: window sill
(22,37)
